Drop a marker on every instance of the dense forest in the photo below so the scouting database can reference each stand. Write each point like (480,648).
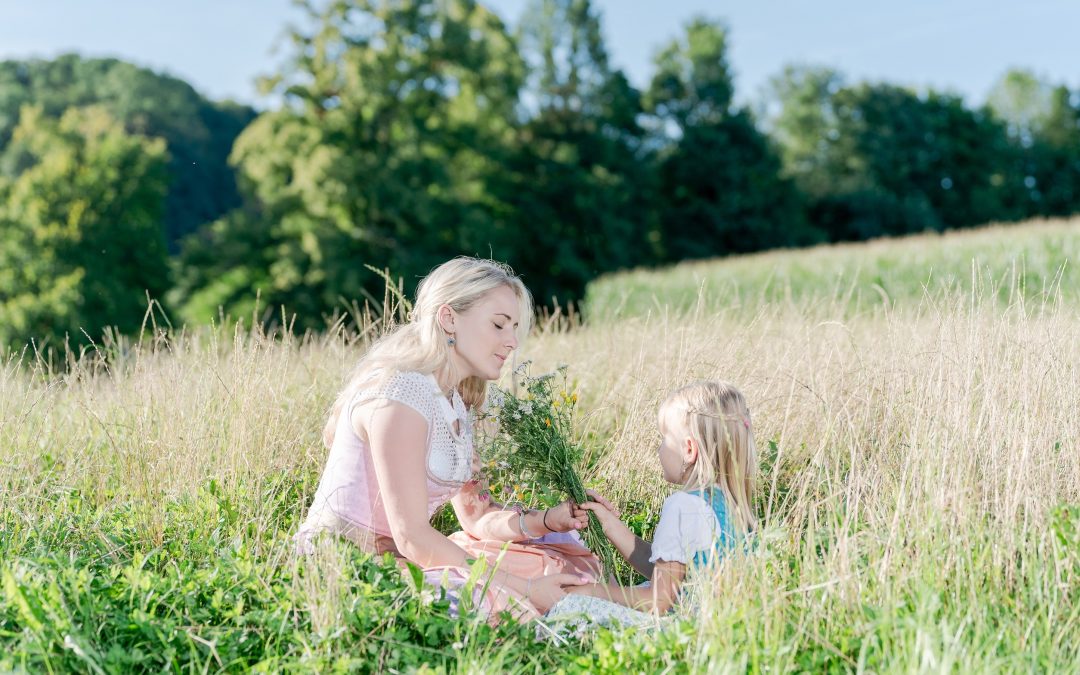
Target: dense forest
(403,135)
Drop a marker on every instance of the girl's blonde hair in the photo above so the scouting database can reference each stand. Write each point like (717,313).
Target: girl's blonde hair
(715,415)
(420,345)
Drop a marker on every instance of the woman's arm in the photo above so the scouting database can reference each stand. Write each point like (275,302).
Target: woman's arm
(485,519)
(659,596)
(397,436)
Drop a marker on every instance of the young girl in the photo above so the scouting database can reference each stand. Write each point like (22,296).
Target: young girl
(706,448)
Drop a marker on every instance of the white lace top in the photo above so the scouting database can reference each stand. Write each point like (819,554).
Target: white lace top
(449,458)
(349,498)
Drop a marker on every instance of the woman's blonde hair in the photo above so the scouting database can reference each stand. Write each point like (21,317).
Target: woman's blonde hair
(420,345)
(715,415)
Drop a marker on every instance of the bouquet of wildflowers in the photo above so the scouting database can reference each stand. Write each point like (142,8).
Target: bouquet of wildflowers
(532,451)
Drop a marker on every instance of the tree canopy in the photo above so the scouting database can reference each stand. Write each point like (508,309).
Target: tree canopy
(402,134)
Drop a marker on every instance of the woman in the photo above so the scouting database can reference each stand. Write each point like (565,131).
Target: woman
(401,446)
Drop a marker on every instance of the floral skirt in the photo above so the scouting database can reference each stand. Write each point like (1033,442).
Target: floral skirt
(577,614)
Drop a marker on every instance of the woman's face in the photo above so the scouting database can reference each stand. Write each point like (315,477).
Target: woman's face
(486,333)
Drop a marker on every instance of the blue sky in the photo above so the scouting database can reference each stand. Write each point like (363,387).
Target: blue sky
(963,46)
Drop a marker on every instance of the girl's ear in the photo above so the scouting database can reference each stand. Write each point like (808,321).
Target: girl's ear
(690,450)
(446,318)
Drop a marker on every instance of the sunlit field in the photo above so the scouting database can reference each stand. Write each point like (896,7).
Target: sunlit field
(915,407)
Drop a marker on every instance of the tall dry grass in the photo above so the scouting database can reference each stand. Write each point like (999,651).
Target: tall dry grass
(917,463)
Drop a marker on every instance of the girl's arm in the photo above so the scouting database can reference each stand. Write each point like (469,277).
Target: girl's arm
(636,550)
(659,597)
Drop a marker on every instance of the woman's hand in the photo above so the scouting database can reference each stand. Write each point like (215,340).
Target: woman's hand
(570,516)
(544,592)
(561,518)
(587,589)
(605,511)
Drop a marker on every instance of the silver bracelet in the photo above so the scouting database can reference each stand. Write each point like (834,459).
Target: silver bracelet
(521,524)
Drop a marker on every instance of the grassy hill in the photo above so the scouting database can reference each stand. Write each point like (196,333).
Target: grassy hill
(1031,261)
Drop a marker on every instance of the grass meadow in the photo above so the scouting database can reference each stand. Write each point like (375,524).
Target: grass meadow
(915,405)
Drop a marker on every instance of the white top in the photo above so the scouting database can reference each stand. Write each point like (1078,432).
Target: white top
(349,495)
(449,458)
(687,526)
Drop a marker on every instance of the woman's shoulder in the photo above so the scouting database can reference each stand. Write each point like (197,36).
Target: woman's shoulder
(410,387)
(387,379)
(409,377)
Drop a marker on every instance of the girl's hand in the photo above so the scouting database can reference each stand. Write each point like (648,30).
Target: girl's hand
(604,514)
(570,516)
(597,498)
(544,592)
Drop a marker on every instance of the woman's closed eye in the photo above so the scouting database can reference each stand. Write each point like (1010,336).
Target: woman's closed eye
(498,325)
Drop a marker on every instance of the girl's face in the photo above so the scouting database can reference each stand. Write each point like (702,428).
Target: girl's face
(676,451)
(485,334)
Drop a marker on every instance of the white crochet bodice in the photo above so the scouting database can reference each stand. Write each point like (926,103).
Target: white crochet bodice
(449,458)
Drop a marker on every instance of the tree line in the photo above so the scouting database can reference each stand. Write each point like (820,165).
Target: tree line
(405,133)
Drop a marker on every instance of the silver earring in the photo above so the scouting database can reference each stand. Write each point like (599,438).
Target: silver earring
(450,341)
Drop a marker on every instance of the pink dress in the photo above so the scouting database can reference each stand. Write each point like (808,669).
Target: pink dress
(349,503)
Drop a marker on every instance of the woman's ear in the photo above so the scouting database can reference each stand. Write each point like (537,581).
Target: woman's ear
(446,318)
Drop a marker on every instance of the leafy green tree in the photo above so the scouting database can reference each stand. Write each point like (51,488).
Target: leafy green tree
(1057,177)
(80,240)
(1043,123)
(935,163)
(1022,101)
(720,184)
(394,120)
(579,183)
(875,159)
(199,133)
(797,112)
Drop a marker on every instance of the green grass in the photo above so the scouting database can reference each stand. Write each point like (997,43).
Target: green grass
(919,489)
(1032,261)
